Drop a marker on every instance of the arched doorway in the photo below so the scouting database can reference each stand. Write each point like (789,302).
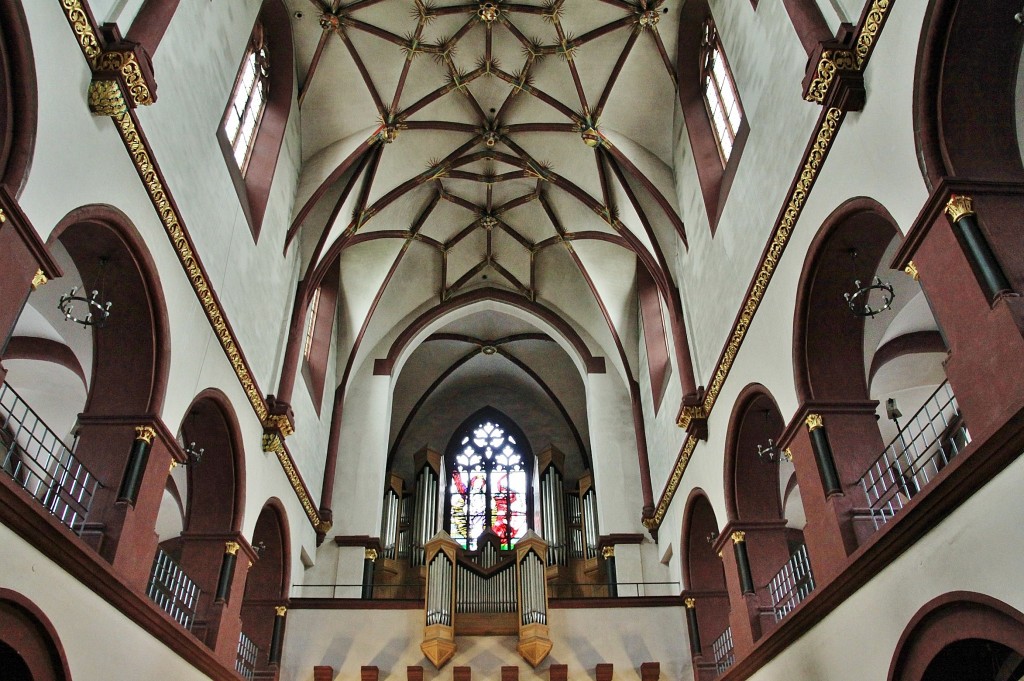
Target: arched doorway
(29,647)
(961,635)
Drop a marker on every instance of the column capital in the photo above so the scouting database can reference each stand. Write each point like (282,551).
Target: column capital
(814,422)
(280,610)
(738,537)
(958,207)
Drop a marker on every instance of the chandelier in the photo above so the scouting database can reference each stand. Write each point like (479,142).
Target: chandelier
(859,301)
(87,311)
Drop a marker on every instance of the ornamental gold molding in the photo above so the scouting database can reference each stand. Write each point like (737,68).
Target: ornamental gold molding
(834,61)
(870,30)
(145,433)
(142,157)
(831,62)
(38,279)
(279,422)
(690,413)
(127,65)
(959,207)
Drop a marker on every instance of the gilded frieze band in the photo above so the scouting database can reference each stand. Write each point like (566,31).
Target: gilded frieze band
(107,98)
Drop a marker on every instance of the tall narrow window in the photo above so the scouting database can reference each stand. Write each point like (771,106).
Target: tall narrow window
(307,346)
(249,100)
(719,91)
(489,484)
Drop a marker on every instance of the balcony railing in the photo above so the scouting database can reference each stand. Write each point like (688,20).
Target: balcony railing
(722,650)
(172,590)
(922,448)
(793,583)
(245,663)
(35,458)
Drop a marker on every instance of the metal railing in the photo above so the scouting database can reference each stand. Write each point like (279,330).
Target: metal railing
(556,590)
(722,650)
(600,589)
(39,461)
(172,590)
(922,448)
(793,583)
(245,663)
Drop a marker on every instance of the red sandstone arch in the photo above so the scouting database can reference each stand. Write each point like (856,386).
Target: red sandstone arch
(703,574)
(216,496)
(966,79)
(828,341)
(25,629)
(19,106)
(132,352)
(268,581)
(952,617)
(752,485)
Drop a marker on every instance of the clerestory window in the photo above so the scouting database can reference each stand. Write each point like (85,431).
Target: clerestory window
(719,89)
(249,100)
(489,484)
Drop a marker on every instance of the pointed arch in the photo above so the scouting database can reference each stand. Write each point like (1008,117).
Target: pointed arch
(489,467)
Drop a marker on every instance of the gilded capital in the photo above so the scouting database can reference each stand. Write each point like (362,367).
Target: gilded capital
(738,537)
(814,421)
(608,552)
(279,422)
(106,98)
(145,433)
(3,216)
(911,270)
(280,610)
(689,413)
(959,206)
(38,279)
(231,547)
(371,555)
(787,454)
(690,603)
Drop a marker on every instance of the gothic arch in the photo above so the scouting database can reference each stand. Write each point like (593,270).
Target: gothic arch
(26,631)
(952,617)
(522,443)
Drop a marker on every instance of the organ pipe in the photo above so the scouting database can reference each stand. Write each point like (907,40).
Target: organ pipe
(424,523)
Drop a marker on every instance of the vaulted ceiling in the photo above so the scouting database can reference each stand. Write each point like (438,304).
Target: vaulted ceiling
(522,147)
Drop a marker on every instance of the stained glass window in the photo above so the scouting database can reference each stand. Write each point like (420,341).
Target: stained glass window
(489,485)
(719,88)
